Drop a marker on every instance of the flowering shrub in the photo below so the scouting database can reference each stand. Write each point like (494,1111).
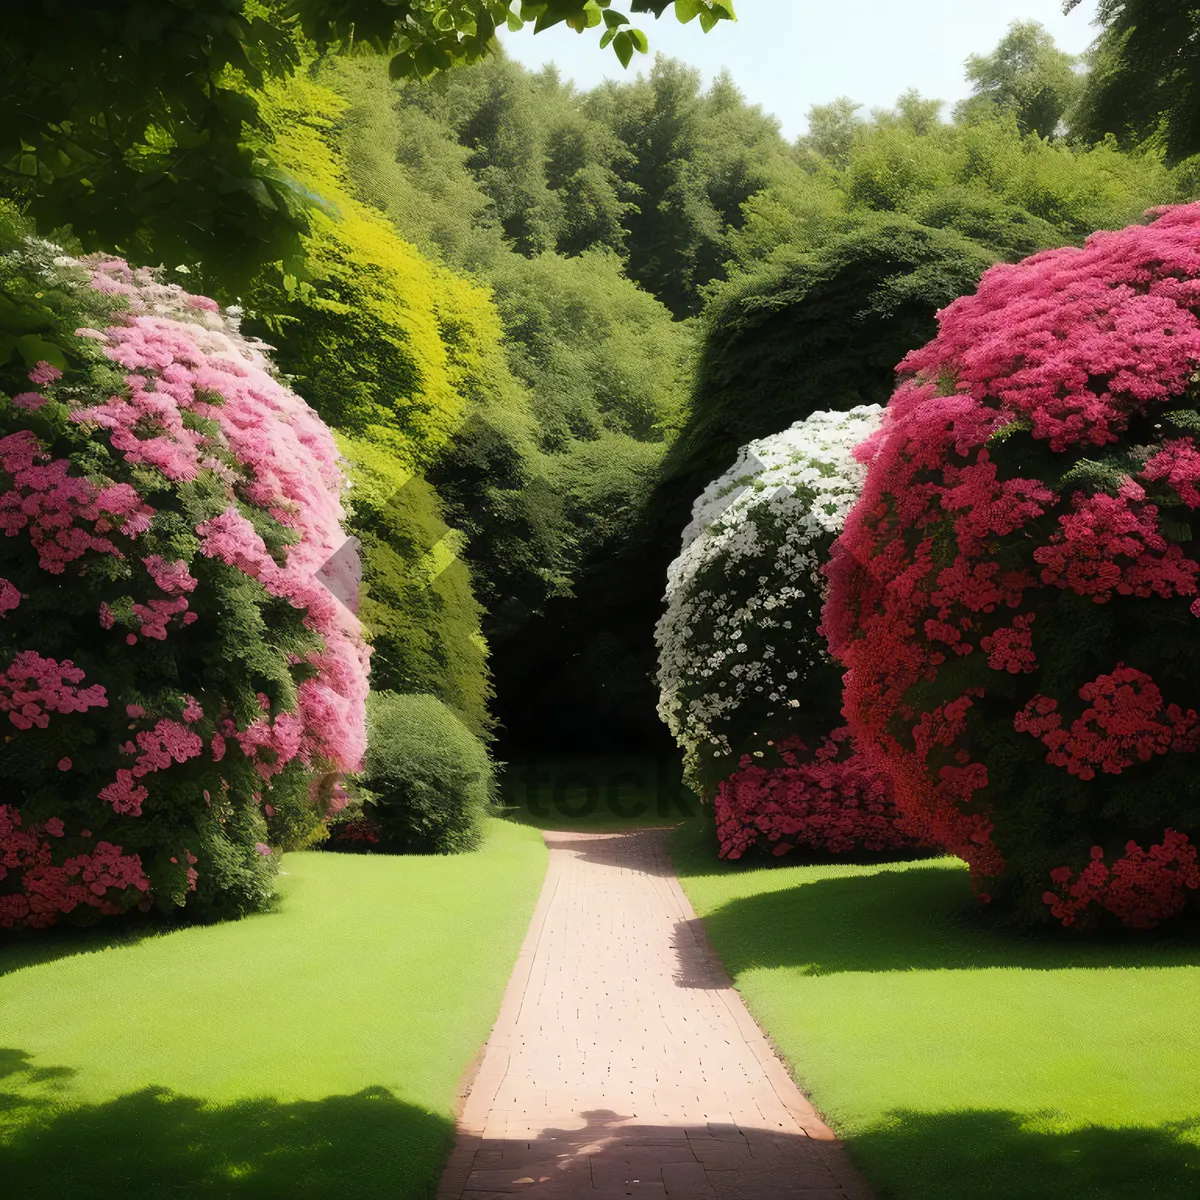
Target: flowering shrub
(831,800)
(1014,595)
(741,661)
(747,686)
(178,687)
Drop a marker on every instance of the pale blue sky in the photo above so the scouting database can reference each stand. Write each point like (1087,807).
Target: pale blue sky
(789,54)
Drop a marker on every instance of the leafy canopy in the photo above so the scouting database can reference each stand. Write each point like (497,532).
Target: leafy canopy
(1144,81)
(131,120)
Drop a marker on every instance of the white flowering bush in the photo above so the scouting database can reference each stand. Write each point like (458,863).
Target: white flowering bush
(742,663)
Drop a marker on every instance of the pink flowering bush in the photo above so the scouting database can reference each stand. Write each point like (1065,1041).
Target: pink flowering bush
(1014,596)
(179,689)
(827,799)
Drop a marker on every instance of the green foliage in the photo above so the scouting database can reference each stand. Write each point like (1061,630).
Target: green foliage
(696,158)
(1144,81)
(396,352)
(822,330)
(427,779)
(626,376)
(556,405)
(127,120)
(427,36)
(1026,75)
(1012,192)
(383,343)
(417,603)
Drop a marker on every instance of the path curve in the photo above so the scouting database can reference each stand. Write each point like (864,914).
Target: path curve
(624,1063)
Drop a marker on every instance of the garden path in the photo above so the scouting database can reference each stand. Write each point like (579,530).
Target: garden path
(624,1063)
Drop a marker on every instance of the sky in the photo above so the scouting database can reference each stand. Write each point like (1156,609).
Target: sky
(790,54)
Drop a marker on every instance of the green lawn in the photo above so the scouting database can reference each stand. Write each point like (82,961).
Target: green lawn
(596,795)
(314,1051)
(959,1061)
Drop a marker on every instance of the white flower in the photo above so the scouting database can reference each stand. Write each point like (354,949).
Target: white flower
(755,545)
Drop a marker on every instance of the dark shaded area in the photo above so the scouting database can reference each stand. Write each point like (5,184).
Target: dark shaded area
(987,1155)
(31,947)
(157,1144)
(816,331)
(922,918)
(613,1155)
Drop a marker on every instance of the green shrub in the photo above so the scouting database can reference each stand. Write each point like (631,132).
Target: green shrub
(428,781)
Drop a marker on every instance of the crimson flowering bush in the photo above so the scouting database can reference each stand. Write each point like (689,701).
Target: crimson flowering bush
(179,689)
(828,799)
(1014,595)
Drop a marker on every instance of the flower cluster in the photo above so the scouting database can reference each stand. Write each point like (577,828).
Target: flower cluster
(167,506)
(829,800)
(104,878)
(741,661)
(1142,887)
(1014,595)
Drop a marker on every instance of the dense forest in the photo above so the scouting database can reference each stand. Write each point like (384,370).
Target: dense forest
(670,278)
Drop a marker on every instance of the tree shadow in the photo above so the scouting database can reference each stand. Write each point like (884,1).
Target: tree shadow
(31,948)
(915,918)
(643,851)
(613,1155)
(998,1155)
(157,1144)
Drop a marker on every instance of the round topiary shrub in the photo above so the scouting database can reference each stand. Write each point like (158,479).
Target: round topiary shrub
(1014,595)
(744,675)
(426,785)
(179,689)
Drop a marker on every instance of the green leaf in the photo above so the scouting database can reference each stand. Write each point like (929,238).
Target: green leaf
(36,349)
(515,24)
(614,19)
(443,20)
(640,41)
(1175,531)
(609,34)
(623,46)
(688,10)
(401,67)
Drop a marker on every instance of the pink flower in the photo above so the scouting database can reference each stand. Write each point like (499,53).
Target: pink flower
(262,848)
(44,373)
(64,764)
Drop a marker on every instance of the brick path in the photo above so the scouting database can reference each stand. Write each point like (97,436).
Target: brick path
(623,1062)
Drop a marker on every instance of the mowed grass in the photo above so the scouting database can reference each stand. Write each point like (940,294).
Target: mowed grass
(314,1051)
(597,795)
(958,1060)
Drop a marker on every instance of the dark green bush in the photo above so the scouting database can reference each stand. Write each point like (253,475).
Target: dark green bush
(428,781)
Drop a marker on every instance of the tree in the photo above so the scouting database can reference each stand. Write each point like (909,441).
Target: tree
(1026,74)
(831,129)
(135,121)
(1144,81)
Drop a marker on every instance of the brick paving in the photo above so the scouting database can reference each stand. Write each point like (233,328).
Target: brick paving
(624,1063)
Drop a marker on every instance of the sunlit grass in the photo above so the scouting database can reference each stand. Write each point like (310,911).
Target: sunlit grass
(313,1051)
(957,1059)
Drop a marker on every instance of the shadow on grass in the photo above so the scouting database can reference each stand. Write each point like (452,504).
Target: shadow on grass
(157,1144)
(913,919)
(997,1155)
(30,948)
